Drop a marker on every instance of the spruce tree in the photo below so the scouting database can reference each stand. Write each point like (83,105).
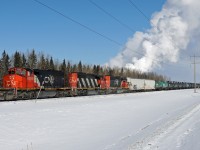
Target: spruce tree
(5,64)
(94,70)
(98,70)
(75,68)
(17,59)
(69,67)
(122,72)
(32,60)
(52,67)
(24,62)
(47,63)
(42,63)
(63,67)
(80,68)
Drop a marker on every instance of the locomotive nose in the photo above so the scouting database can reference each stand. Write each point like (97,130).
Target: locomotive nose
(9,81)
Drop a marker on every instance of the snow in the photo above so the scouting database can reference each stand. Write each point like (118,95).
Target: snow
(152,120)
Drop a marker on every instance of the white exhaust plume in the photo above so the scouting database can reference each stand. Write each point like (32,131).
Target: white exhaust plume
(173,29)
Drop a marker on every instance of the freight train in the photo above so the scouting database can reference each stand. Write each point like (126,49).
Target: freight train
(25,83)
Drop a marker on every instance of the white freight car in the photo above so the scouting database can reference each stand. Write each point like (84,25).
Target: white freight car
(141,84)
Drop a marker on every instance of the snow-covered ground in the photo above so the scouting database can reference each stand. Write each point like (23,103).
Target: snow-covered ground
(153,120)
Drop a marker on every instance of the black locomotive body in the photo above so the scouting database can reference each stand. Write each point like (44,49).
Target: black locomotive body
(50,78)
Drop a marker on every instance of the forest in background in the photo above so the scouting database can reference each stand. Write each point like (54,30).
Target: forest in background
(39,60)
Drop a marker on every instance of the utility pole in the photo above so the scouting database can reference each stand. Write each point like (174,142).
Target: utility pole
(195,72)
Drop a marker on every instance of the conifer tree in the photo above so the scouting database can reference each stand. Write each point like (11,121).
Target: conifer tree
(24,62)
(74,68)
(68,67)
(80,68)
(5,64)
(98,70)
(17,59)
(42,62)
(63,67)
(94,70)
(88,69)
(51,65)
(122,72)
(32,60)
(47,63)
(111,72)
(101,71)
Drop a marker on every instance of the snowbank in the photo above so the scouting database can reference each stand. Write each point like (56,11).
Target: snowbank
(152,120)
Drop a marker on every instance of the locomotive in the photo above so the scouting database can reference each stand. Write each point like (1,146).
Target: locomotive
(25,83)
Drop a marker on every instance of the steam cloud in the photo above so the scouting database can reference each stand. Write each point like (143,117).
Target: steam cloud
(173,29)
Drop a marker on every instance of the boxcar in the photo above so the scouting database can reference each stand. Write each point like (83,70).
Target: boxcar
(141,84)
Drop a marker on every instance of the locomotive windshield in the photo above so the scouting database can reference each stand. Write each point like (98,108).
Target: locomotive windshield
(18,71)
(11,71)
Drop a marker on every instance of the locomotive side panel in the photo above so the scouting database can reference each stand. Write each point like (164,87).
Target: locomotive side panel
(73,80)
(87,80)
(115,82)
(50,78)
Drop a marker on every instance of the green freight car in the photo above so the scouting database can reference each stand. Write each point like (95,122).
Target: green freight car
(161,85)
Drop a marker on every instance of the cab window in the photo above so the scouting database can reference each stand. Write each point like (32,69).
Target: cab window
(21,72)
(11,71)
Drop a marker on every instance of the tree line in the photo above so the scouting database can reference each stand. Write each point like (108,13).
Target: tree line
(35,60)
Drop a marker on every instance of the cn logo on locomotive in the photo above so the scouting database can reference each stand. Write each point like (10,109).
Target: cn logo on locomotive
(49,79)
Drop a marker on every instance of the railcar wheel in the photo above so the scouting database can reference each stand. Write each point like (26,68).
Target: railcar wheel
(32,95)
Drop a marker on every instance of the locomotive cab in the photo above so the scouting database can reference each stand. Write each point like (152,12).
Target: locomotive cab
(19,78)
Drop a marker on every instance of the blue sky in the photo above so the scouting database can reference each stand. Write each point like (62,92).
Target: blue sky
(26,24)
